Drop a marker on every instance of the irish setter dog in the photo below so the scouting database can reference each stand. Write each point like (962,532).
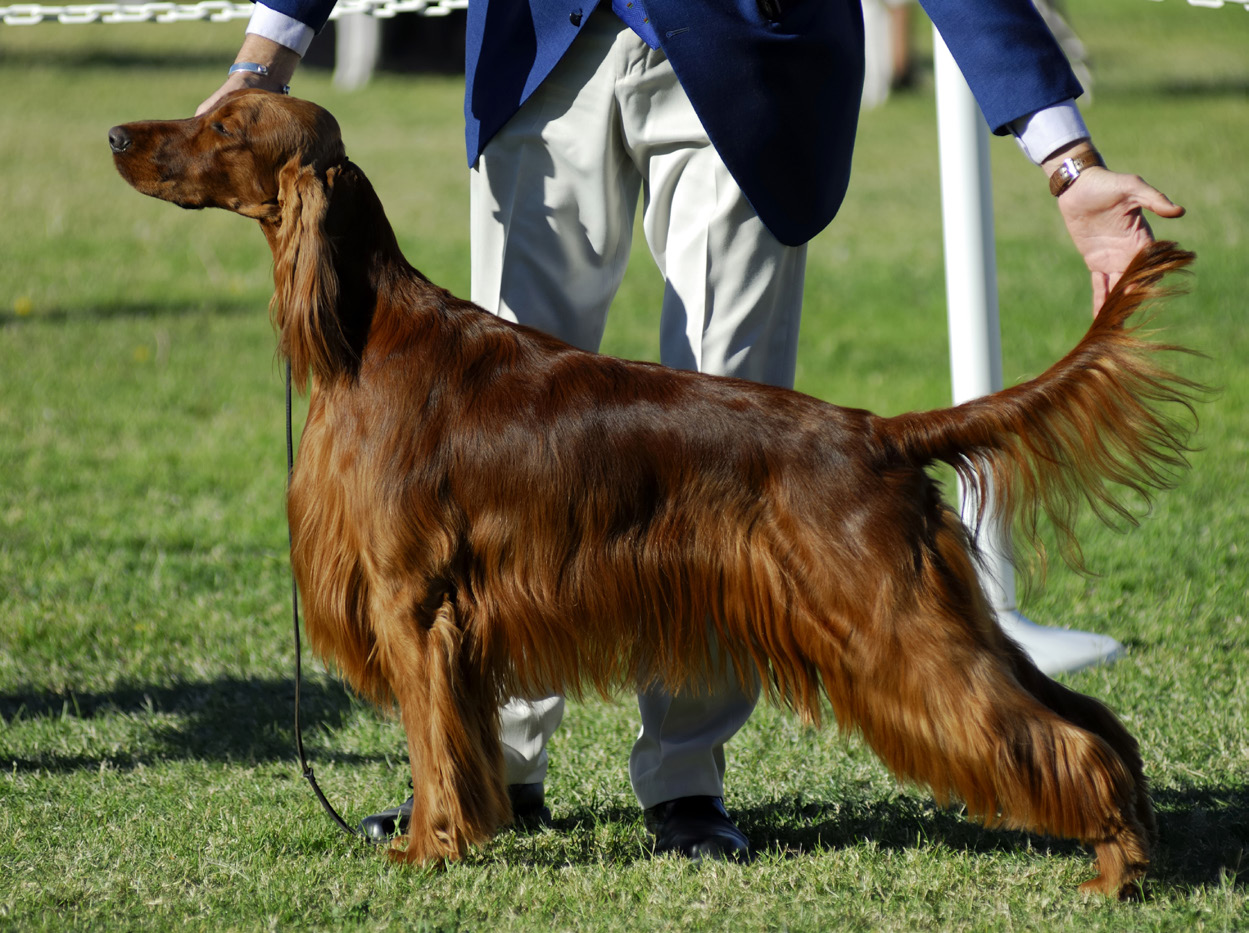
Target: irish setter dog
(482,511)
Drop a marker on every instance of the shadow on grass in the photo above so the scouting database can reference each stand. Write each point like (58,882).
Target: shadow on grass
(121,57)
(1204,834)
(1228,86)
(227,719)
(796,829)
(130,309)
(1203,831)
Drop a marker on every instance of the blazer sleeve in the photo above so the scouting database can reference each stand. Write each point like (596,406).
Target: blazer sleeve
(1011,60)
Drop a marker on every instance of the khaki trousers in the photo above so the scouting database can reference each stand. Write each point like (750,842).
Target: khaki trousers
(553,201)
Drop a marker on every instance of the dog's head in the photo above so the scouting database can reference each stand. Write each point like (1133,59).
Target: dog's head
(242,155)
(281,161)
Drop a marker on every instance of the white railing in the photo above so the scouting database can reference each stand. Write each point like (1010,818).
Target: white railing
(216,11)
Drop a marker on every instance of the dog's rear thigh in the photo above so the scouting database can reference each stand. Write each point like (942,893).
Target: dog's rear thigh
(935,693)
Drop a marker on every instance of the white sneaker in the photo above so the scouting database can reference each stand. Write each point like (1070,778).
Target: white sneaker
(1058,650)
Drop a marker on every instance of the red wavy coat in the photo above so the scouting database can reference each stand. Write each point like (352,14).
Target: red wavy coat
(480,510)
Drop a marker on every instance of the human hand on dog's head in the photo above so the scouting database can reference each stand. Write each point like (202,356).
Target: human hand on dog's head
(1104,213)
(278,60)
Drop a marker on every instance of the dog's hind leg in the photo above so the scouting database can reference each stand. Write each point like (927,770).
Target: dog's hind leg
(935,693)
(1090,714)
(459,797)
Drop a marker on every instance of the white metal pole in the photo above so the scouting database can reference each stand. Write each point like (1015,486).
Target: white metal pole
(971,280)
(976,347)
(357,50)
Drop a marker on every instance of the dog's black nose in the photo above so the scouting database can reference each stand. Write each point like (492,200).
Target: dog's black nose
(118,139)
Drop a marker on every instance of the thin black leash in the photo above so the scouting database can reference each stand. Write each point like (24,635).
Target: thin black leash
(299,736)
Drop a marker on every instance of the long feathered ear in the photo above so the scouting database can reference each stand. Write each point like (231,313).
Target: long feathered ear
(305,308)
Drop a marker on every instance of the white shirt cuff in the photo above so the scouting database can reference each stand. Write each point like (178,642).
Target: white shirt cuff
(282,29)
(1044,132)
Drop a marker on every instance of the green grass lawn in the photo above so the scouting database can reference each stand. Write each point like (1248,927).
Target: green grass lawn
(146,763)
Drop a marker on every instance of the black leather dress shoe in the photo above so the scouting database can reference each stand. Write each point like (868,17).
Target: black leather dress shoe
(379,827)
(528,811)
(698,828)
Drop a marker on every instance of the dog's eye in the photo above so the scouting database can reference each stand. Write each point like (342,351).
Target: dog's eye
(220,128)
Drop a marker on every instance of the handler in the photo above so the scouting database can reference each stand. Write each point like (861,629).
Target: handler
(735,121)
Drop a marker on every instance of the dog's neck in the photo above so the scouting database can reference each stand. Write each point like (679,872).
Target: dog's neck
(349,278)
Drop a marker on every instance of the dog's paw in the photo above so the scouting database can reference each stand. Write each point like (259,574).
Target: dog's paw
(435,850)
(1123,889)
(1118,878)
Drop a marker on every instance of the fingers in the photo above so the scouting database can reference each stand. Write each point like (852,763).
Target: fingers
(1154,200)
(209,102)
(232,83)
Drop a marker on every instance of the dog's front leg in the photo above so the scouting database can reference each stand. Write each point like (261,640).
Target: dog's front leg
(452,722)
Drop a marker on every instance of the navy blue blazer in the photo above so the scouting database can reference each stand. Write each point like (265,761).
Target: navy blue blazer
(776,83)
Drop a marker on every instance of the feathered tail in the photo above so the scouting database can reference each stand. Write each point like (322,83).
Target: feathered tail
(1103,419)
